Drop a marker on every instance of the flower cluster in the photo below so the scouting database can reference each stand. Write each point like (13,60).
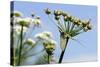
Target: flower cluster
(20,21)
(44,35)
(16,14)
(30,42)
(49,46)
(28,21)
(70,25)
(48,42)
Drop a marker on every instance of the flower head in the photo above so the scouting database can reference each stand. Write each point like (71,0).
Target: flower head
(66,18)
(64,14)
(44,35)
(48,34)
(36,21)
(57,17)
(24,21)
(57,12)
(89,27)
(47,11)
(30,42)
(16,14)
(48,42)
(49,46)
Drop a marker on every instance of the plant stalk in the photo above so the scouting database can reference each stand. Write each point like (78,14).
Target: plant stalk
(63,51)
(20,48)
(12,44)
(48,59)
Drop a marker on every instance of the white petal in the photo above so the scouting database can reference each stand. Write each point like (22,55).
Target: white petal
(36,22)
(26,22)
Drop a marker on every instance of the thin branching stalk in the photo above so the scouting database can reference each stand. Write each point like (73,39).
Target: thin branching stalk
(59,23)
(65,24)
(33,54)
(30,49)
(72,27)
(62,53)
(68,26)
(20,48)
(55,23)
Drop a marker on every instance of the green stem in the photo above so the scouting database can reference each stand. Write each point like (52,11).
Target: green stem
(20,48)
(62,53)
(48,59)
(68,26)
(59,23)
(65,24)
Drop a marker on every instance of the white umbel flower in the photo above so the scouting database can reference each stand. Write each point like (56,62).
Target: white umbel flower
(24,21)
(41,36)
(17,14)
(44,35)
(30,42)
(49,34)
(36,21)
(49,46)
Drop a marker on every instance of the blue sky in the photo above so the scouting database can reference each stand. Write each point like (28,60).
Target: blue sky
(74,52)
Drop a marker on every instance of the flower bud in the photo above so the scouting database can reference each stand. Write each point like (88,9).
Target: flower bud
(16,14)
(89,27)
(47,11)
(85,29)
(57,17)
(57,12)
(64,14)
(77,22)
(66,18)
(32,14)
(84,24)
